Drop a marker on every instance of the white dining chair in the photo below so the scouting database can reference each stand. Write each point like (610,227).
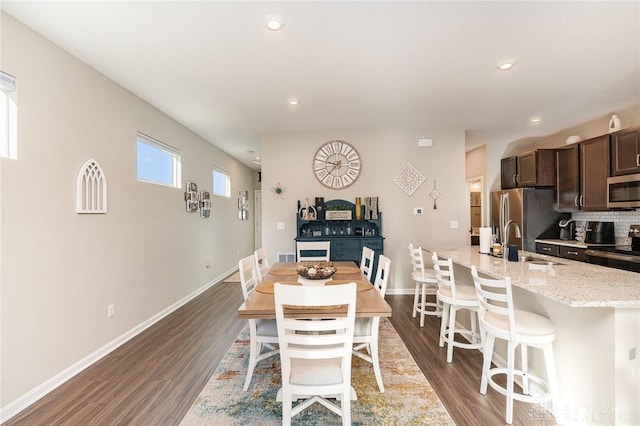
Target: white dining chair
(315,356)
(366,262)
(365,335)
(426,284)
(313,251)
(262,262)
(263,333)
(499,319)
(455,297)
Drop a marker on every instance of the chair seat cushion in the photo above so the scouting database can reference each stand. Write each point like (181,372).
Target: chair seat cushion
(314,372)
(428,275)
(527,323)
(463,292)
(267,327)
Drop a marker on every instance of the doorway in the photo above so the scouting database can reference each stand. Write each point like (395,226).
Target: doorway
(257,215)
(474,189)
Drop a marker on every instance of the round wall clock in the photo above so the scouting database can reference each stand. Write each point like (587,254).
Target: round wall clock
(336,164)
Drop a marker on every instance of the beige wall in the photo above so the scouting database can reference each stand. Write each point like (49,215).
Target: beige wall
(60,269)
(287,158)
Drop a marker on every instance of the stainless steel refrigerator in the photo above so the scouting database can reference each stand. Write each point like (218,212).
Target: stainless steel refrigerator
(532,209)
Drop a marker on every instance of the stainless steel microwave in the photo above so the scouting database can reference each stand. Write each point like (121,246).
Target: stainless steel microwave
(623,191)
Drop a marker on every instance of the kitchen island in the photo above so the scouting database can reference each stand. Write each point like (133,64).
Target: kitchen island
(596,311)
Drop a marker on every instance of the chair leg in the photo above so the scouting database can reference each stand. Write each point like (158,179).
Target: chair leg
(253,356)
(452,332)
(286,408)
(415,299)
(443,323)
(423,304)
(346,408)
(511,349)
(375,360)
(486,363)
(524,367)
(474,331)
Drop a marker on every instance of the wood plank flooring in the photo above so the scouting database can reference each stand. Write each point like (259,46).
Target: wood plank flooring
(154,378)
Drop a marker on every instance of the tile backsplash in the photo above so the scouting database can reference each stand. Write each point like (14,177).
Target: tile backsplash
(622,221)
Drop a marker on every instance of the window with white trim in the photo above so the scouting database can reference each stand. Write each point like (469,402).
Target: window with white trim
(8,116)
(157,162)
(221,183)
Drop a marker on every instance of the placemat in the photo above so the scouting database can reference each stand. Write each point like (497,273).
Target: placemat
(346,269)
(362,285)
(283,270)
(267,286)
(311,309)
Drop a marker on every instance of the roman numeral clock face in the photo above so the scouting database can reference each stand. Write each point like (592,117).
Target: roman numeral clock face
(336,165)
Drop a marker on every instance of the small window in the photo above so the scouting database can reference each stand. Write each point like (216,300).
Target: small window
(157,162)
(221,183)
(8,116)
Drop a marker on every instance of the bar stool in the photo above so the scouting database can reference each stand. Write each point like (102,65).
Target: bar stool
(454,298)
(426,284)
(499,319)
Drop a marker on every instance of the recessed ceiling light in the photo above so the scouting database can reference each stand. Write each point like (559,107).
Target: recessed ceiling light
(505,65)
(535,120)
(293,102)
(274,23)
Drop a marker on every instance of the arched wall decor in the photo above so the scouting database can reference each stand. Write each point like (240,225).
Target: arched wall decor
(91,188)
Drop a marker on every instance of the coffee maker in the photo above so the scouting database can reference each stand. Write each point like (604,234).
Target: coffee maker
(567,229)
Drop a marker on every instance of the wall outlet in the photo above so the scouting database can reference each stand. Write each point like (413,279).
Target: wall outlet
(280,226)
(453,224)
(111,310)
(418,211)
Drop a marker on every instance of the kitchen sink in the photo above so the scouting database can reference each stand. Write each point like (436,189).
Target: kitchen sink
(538,260)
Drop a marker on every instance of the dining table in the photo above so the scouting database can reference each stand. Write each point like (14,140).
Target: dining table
(260,303)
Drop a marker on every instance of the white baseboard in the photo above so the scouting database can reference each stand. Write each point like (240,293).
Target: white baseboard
(16,406)
(400,291)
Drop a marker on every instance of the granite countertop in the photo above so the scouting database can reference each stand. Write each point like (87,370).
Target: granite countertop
(572,283)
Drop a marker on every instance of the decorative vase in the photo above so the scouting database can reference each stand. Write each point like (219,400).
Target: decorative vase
(358,209)
(614,124)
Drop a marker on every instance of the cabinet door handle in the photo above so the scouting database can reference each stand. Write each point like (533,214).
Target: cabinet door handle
(546,249)
(638,160)
(582,201)
(575,201)
(513,178)
(575,253)
(518,178)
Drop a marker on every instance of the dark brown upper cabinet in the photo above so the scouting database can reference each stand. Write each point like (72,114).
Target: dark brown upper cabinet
(581,175)
(625,152)
(536,168)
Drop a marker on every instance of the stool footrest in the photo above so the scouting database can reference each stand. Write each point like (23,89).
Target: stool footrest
(464,345)
(519,395)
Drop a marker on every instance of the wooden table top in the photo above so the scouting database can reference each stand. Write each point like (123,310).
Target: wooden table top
(369,303)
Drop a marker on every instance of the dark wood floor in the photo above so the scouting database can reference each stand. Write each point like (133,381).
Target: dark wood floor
(154,378)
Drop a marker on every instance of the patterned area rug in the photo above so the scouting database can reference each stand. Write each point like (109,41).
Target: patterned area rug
(235,278)
(408,397)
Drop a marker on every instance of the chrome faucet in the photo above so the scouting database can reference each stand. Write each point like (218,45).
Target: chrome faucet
(506,236)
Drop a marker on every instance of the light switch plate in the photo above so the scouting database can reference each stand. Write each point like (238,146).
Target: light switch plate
(280,226)
(453,224)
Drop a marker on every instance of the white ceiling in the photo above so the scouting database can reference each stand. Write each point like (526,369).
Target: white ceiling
(357,65)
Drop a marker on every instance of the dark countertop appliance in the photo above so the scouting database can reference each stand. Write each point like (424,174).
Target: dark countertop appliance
(567,229)
(620,257)
(600,233)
